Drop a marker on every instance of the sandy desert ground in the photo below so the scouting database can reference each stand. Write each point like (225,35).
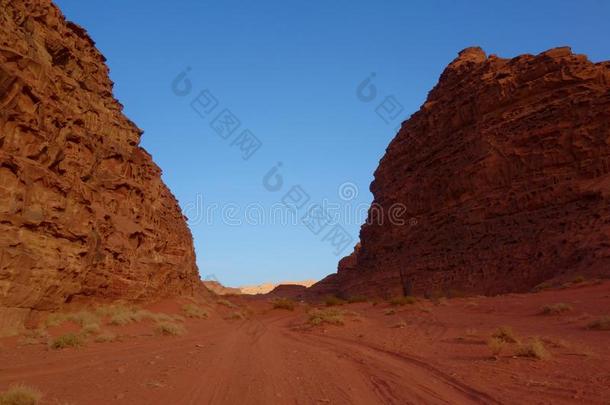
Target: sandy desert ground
(248,352)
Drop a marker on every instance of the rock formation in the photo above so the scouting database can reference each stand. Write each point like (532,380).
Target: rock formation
(265,288)
(219,289)
(83,210)
(505,176)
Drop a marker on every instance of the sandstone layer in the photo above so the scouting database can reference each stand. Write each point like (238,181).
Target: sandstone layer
(504,173)
(83,209)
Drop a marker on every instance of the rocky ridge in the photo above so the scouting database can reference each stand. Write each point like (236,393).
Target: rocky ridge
(83,210)
(505,176)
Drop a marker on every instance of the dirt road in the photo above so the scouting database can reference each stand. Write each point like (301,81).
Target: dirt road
(270,358)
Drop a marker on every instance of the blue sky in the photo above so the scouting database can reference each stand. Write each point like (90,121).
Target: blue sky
(288,71)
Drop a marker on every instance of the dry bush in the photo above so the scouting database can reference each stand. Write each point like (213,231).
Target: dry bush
(506,334)
(67,340)
(34,337)
(405,300)
(556,309)
(542,286)
(91,329)
(83,318)
(126,315)
(226,303)
(194,311)
(496,345)
(534,349)
(20,395)
(283,303)
(332,301)
(602,323)
(106,337)
(237,316)
(329,315)
(389,312)
(169,328)
(55,319)
(357,298)
(123,316)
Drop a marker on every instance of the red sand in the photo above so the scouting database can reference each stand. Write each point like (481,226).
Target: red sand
(439,355)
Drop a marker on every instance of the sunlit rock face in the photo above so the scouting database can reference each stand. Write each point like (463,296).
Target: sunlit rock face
(504,173)
(83,210)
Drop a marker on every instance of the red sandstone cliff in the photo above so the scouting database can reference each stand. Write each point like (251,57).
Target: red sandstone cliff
(505,169)
(83,210)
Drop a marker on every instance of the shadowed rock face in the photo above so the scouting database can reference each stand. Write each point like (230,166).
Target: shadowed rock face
(504,170)
(83,210)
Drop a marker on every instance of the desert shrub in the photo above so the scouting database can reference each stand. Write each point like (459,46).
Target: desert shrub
(556,309)
(329,315)
(123,318)
(20,395)
(91,329)
(55,319)
(194,311)
(496,345)
(357,298)
(505,334)
(125,315)
(237,316)
(67,340)
(389,312)
(534,349)
(112,309)
(332,301)
(283,303)
(602,323)
(106,337)
(169,328)
(405,300)
(83,318)
(226,303)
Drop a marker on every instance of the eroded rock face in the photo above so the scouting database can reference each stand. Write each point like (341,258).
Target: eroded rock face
(83,210)
(504,170)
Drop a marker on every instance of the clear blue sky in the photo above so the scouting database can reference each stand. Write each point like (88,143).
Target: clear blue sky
(288,70)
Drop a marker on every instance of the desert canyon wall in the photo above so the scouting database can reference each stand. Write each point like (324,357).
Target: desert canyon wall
(506,171)
(83,209)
